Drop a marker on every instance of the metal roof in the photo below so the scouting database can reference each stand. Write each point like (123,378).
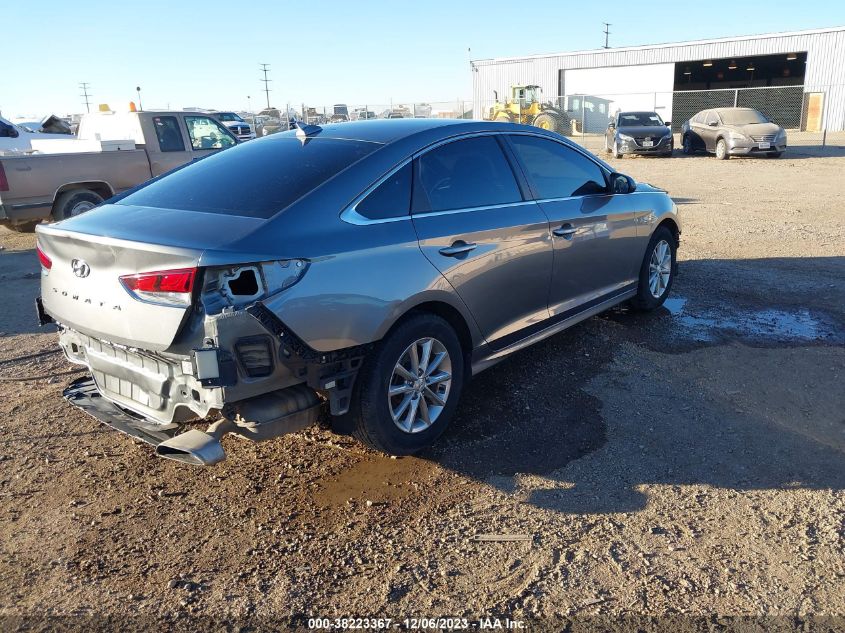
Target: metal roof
(622,49)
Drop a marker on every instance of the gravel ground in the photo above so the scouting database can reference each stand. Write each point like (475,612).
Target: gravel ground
(660,468)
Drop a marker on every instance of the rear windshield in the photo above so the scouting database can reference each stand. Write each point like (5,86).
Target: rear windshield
(256,179)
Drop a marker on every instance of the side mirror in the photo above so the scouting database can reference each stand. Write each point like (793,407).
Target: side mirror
(620,183)
(712,123)
(611,125)
(667,123)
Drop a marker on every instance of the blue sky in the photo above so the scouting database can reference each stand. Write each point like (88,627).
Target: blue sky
(207,53)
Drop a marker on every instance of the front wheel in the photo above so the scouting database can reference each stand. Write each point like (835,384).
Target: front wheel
(687,145)
(657,271)
(616,152)
(407,391)
(721,149)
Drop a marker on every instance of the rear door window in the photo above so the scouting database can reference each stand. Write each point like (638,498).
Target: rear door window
(464,174)
(557,171)
(206,133)
(168,134)
(391,199)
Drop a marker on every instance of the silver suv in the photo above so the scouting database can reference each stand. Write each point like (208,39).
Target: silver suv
(367,268)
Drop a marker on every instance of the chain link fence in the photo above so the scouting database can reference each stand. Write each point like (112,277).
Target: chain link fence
(812,116)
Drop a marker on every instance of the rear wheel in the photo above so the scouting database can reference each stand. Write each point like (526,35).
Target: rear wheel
(657,271)
(408,389)
(75,202)
(721,149)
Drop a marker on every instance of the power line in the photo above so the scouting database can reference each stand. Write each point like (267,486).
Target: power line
(84,85)
(264,69)
(606,34)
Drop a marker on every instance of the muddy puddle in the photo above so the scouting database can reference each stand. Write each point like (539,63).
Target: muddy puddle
(707,324)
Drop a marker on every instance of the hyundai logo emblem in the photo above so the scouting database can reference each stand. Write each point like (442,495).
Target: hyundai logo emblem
(80,268)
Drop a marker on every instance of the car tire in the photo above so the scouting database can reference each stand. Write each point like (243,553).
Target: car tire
(722,149)
(75,202)
(373,415)
(686,145)
(657,271)
(616,152)
(23,227)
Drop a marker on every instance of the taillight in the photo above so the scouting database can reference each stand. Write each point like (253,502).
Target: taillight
(171,287)
(46,262)
(4,182)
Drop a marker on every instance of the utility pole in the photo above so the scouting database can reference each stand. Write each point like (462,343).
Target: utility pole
(138,90)
(84,85)
(606,34)
(265,68)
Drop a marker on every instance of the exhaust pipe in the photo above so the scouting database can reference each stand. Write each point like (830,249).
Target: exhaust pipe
(258,419)
(199,448)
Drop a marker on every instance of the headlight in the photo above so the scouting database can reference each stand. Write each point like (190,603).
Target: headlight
(737,136)
(625,137)
(781,134)
(667,136)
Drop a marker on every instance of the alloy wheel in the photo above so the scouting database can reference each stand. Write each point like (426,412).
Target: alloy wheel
(419,386)
(659,269)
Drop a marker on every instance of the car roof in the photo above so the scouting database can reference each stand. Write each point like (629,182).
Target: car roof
(720,110)
(390,130)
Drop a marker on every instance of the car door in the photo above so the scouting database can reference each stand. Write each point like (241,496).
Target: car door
(597,246)
(696,129)
(165,143)
(475,225)
(710,131)
(206,135)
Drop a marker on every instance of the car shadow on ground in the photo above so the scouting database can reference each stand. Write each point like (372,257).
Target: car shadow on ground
(625,399)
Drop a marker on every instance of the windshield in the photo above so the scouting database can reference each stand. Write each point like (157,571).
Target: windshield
(256,179)
(228,116)
(639,119)
(742,117)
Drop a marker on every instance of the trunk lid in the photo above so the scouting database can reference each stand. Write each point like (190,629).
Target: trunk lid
(82,288)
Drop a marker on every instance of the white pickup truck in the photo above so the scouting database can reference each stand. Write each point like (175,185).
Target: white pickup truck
(114,151)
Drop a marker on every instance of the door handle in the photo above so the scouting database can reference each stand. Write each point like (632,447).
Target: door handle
(567,230)
(458,248)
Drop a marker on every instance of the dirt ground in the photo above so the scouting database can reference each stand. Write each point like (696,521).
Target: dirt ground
(683,464)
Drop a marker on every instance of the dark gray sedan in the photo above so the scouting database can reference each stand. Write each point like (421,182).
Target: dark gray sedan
(728,132)
(366,268)
(638,133)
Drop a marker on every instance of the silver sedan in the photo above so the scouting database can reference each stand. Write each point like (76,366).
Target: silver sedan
(368,269)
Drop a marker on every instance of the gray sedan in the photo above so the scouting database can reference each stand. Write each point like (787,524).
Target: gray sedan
(367,269)
(638,133)
(728,132)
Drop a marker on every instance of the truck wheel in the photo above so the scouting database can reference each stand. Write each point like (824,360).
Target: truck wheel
(75,202)
(407,390)
(546,121)
(25,227)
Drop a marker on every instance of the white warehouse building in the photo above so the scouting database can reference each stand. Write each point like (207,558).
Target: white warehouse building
(796,78)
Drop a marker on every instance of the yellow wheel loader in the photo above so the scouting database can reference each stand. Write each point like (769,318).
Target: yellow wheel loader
(525,107)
